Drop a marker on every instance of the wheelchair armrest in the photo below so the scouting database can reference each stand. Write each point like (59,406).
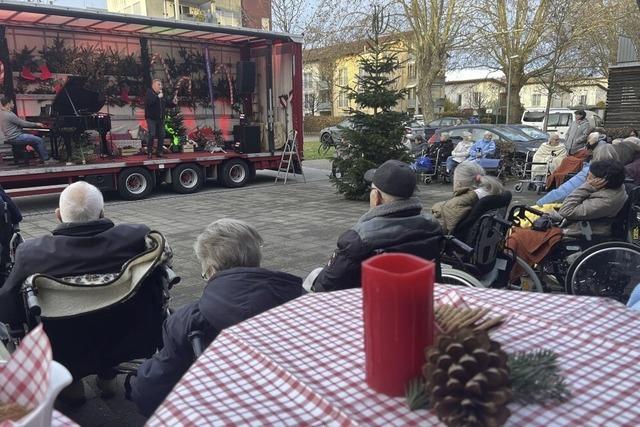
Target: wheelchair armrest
(170,277)
(195,338)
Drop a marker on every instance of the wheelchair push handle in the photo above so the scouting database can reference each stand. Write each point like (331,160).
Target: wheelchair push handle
(195,338)
(32,301)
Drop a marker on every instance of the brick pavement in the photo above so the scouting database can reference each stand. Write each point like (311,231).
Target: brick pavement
(300,224)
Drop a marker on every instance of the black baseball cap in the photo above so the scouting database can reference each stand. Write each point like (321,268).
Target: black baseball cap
(394,178)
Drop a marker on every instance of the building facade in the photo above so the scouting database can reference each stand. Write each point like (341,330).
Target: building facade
(231,13)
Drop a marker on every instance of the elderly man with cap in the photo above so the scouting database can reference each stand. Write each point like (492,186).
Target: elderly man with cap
(394,223)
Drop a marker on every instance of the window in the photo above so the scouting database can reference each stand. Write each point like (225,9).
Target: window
(307,78)
(343,100)
(560,119)
(533,116)
(411,71)
(343,78)
(411,94)
(310,102)
(459,99)
(536,99)
(583,99)
(266,24)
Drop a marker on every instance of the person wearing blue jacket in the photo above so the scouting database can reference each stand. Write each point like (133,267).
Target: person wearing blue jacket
(602,152)
(484,148)
(237,289)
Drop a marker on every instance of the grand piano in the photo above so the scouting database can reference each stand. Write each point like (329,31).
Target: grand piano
(75,110)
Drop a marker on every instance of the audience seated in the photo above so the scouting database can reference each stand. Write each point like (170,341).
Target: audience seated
(85,242)
(470,184)
(573,163)
(393,224)
(600,198)
(601,152)
(549,153)
(237,289)
(484,148)
(460,153)
(444,144)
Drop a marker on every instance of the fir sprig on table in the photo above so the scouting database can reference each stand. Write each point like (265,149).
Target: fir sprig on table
(416,394)
(535,377)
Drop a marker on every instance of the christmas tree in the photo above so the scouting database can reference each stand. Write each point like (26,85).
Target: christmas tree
(174,127)
(376,135)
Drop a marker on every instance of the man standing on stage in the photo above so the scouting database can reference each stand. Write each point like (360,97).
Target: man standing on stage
(11,126)
(154,107)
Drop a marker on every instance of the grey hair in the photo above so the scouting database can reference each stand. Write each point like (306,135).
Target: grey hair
(554,135)
(81,202)
(604,152)
(228,243)
(156,80)
(472,175)
(445,135)
(467,135)
(593,138)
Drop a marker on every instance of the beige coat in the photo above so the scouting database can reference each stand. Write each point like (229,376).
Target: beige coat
(450,212)
(586,203)
(543,155)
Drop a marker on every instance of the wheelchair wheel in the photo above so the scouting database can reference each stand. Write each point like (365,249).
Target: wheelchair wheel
(609,269)
(529,281)
(451,276)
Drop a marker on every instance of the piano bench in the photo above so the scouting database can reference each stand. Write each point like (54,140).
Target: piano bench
(20,153)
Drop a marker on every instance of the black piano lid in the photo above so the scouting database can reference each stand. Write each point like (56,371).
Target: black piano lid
(85,101)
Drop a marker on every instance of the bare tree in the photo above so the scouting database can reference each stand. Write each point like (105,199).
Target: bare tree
(311,103)
(290,16)
(435,27)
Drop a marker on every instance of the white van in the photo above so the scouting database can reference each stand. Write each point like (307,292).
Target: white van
(558,121)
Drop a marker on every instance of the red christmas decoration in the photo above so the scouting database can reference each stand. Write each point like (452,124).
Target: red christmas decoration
(45,74)
(26,74)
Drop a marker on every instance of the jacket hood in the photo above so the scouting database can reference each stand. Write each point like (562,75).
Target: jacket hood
(231,295)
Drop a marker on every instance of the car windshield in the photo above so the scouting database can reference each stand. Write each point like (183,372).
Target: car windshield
(533,132)
(533,116)
(345,124)
(413,124)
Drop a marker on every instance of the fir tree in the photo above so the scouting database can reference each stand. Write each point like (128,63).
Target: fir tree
(174,127)
(376,135)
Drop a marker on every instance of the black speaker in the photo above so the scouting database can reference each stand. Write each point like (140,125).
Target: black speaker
(247,138)
(246,77)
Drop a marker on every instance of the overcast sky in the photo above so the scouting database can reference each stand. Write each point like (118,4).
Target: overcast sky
(82,4)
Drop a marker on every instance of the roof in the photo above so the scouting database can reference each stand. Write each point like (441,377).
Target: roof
(64,18)
(472,74)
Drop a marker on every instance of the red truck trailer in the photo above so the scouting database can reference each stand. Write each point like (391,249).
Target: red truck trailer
(41,47)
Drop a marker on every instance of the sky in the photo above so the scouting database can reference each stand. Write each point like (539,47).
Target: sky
(82,4)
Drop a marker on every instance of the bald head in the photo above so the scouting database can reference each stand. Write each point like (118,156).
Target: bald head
(80,202)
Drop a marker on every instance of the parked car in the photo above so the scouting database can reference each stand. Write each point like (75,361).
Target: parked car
(513,143)
(330,135)
(532,131)
(413,132)
(558,121)
(436,124)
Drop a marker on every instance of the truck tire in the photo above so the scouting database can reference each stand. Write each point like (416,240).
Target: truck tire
(235,173)
(187,178)
(135,183)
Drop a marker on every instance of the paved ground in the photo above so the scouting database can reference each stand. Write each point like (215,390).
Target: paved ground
(299,222)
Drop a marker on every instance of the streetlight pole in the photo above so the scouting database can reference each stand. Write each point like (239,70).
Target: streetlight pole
(506,120)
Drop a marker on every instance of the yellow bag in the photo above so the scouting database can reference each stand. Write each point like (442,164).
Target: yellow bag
(531,217)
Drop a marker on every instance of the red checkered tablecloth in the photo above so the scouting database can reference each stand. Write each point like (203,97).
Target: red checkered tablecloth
(59,420)
(303,364)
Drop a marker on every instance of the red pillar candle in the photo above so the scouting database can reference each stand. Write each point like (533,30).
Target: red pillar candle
(397,294)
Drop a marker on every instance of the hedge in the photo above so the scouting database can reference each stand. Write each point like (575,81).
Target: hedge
(314,124)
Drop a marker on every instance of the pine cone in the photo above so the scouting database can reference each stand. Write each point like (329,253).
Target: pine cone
(467,379)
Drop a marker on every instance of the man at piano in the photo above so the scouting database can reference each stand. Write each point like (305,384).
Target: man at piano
(154,108)
(12,128)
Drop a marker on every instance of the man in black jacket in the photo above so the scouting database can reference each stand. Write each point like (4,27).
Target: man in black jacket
(393,224)
(154,109)
(237,289)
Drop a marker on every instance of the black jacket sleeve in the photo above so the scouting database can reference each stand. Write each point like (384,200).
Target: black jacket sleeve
(157,376)
(343,269)
(16,216)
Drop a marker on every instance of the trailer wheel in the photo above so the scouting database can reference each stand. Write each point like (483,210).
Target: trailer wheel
(135,183)
(187,178)
(235,173)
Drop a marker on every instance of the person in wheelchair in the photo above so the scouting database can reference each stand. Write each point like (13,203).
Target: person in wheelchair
(601,152)
(470,184)
(237,289)
(460,153)
(598,201)
(444,145)
(85,243)
(484,148)
(394,223)
(573,163)
(549,153)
